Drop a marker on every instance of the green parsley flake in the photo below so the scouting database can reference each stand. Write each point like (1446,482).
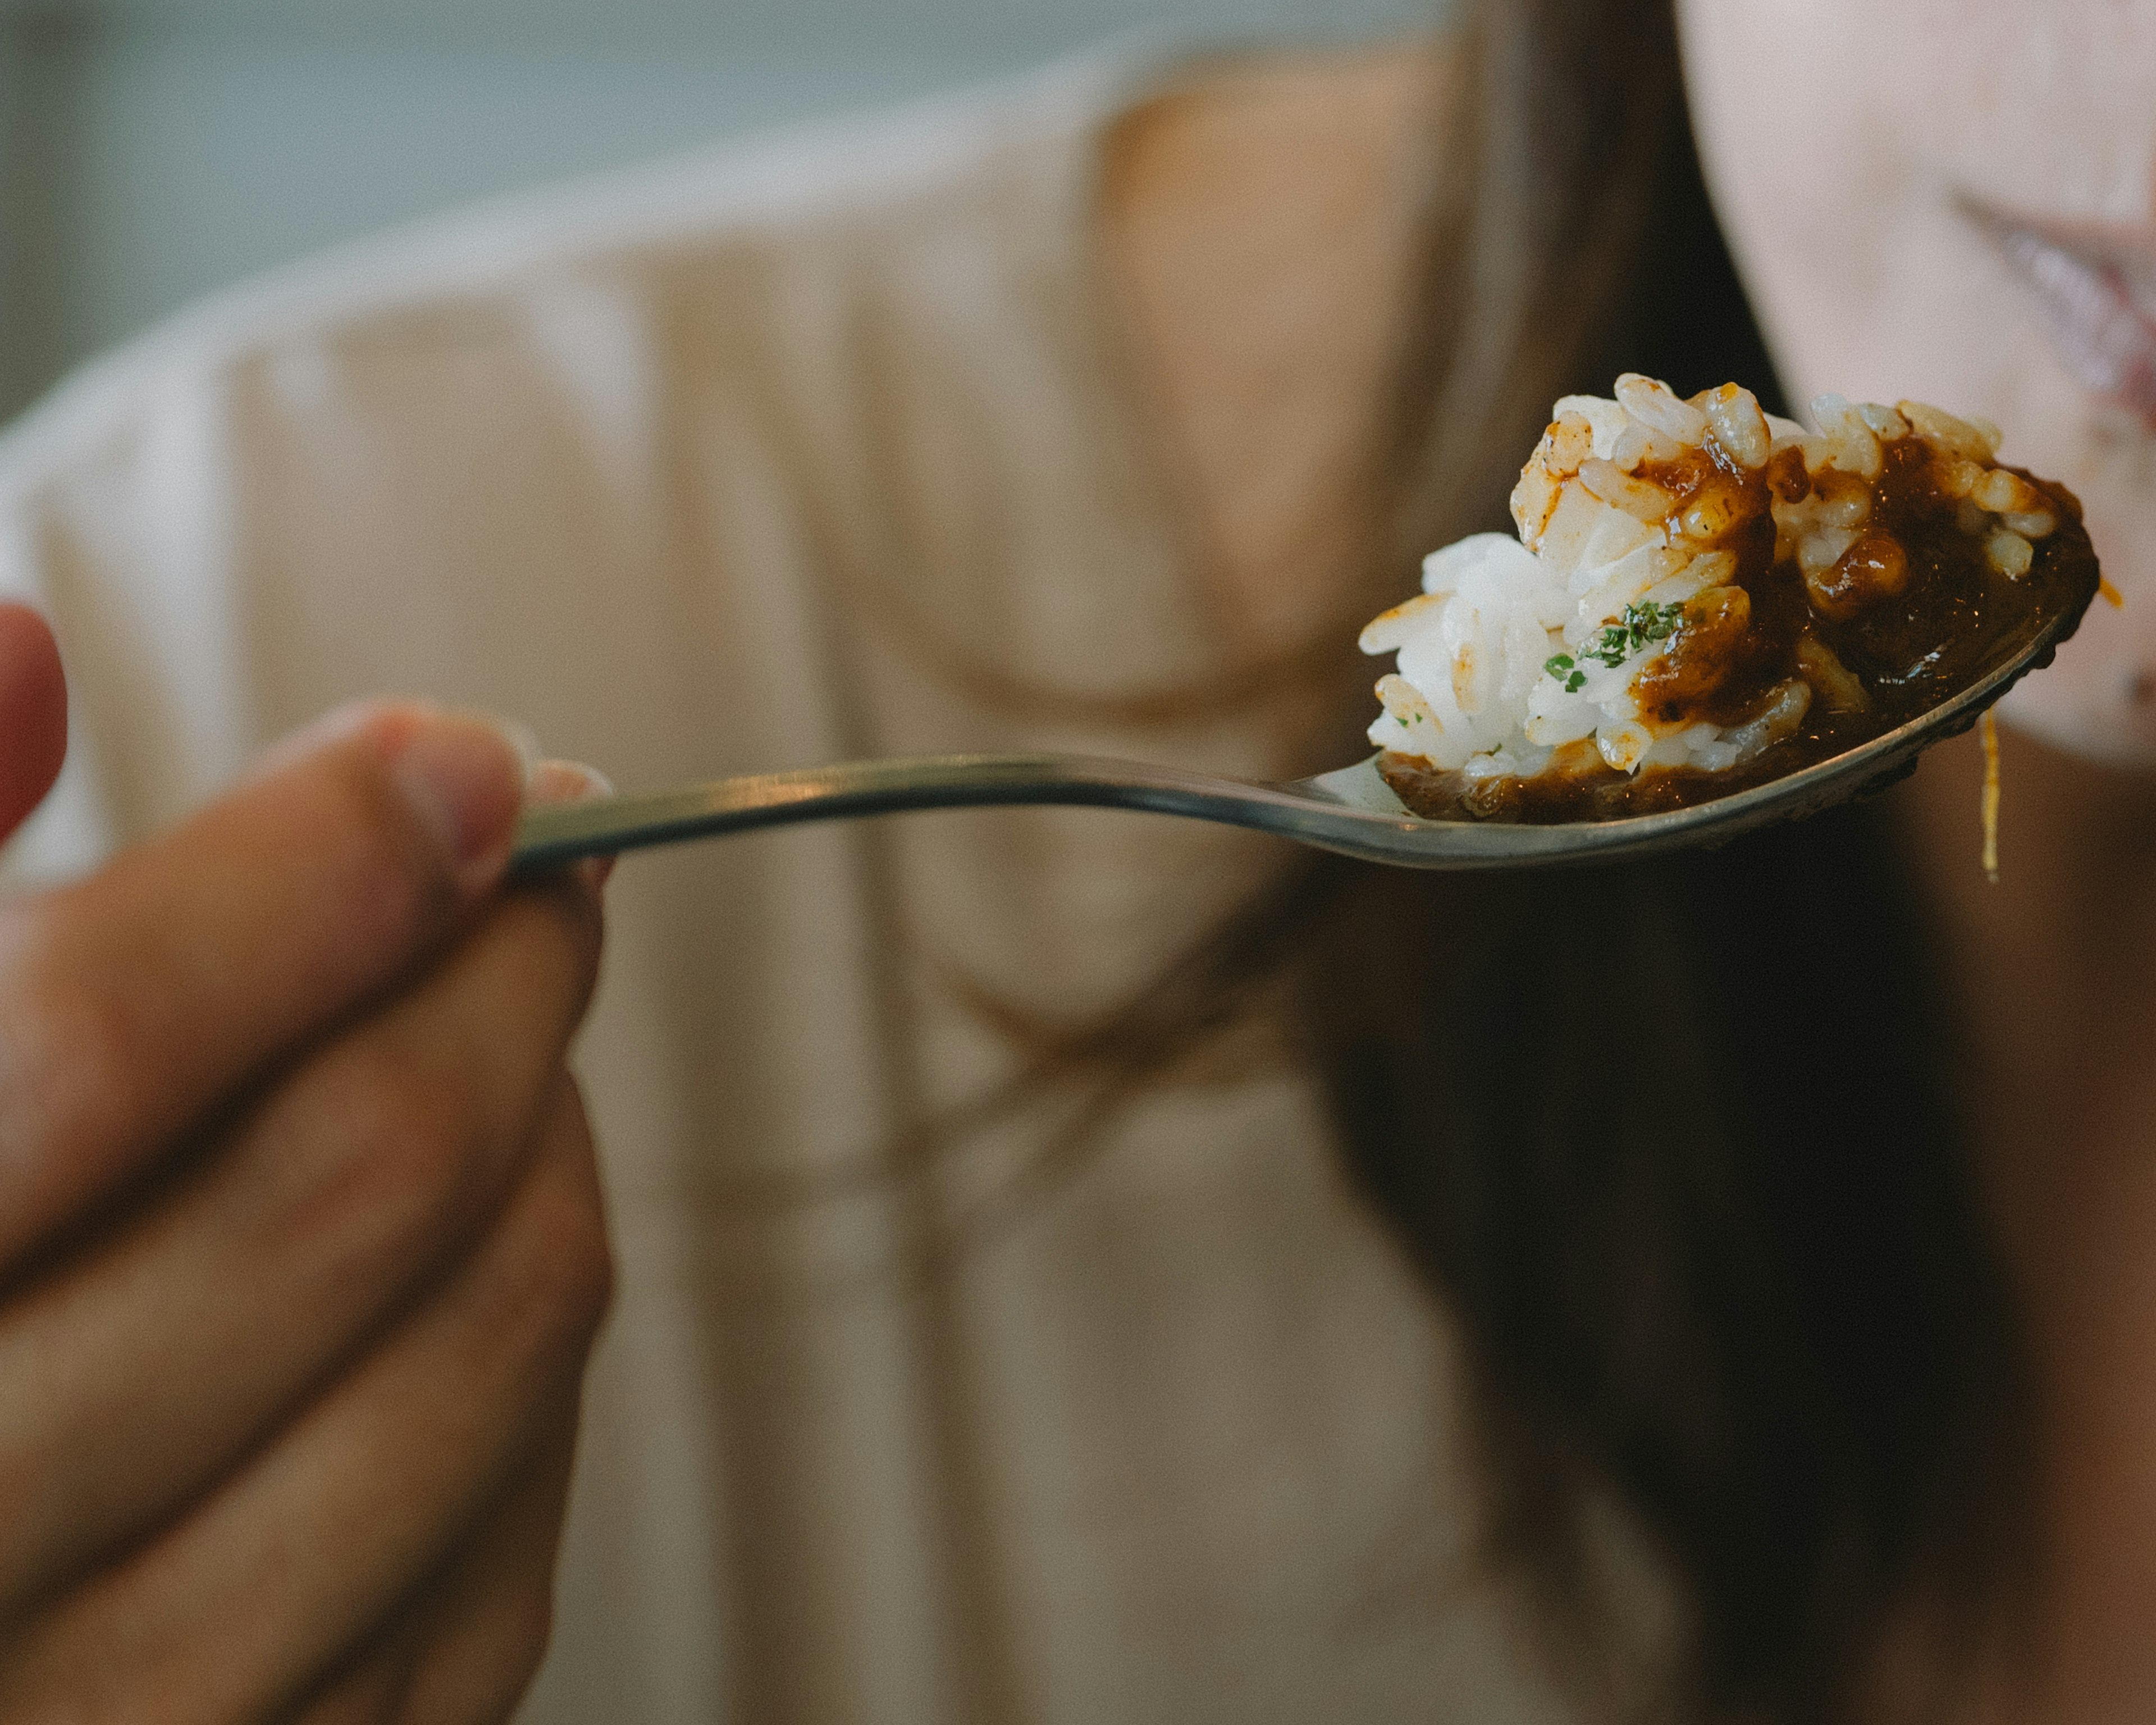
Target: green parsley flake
(1640,626)
(1561,666)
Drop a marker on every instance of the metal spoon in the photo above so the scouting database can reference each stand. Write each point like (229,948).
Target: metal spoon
(1351,810)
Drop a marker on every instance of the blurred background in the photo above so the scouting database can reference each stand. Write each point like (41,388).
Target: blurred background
(153,150)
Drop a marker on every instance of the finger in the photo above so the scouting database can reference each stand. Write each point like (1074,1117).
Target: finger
(466,1648)
(373,1691)
(572,781)
(132,1003)
(33,713)
(497,1614)
(145,1369)
(239,1609)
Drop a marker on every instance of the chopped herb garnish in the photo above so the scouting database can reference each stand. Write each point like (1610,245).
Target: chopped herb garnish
(1639,626)
(1560,666)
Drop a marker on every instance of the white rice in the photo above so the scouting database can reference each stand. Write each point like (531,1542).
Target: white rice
(1476,691)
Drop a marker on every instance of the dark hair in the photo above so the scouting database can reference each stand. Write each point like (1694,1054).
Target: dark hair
(1671,1141)
(1676,1141)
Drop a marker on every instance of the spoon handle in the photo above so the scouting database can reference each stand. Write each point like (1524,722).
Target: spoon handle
(562,832)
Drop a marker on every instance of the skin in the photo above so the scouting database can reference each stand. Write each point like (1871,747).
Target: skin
(301,1248)
(1877,233)
(1262,266)
(1868,232)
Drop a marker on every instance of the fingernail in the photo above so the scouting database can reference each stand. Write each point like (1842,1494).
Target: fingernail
(572,781)
(565,781)
(464,776)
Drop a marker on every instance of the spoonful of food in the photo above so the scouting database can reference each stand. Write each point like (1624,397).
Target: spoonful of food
(1711,620)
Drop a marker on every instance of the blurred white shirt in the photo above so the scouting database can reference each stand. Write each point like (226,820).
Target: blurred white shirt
(826,449)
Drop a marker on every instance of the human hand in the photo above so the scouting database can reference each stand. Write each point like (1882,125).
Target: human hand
(302,1247)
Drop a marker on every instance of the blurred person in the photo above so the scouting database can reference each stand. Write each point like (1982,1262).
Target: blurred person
(1075,1266)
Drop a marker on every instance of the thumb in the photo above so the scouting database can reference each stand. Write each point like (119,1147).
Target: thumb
(33,713)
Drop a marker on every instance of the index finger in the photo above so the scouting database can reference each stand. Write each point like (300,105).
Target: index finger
(134,1004)
(33,712)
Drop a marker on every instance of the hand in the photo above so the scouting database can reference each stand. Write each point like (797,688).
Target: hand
(301,1249)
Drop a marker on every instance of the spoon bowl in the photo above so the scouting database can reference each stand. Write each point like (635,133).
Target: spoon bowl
(1351,810)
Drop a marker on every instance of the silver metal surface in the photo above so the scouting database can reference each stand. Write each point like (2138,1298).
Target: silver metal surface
(1351,811)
